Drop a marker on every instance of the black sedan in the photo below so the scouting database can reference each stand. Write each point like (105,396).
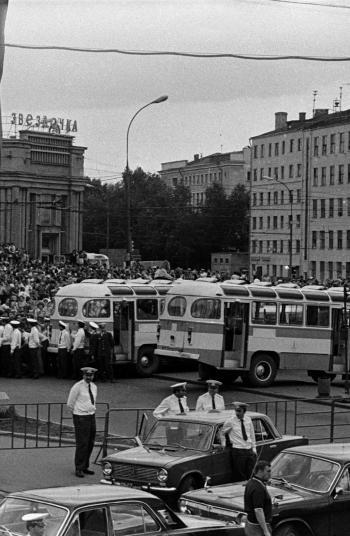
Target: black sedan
(182,452)
(310,490)
(95,510)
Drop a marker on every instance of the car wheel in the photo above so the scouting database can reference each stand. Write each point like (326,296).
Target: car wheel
(189,483)
(262,371)
(290,530)
(206,372)
(147,362)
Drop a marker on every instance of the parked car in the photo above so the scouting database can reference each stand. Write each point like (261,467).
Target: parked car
(180,452)
(310,490)
(96,510)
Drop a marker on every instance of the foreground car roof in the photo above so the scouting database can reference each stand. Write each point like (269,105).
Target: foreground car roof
(207,417)
(86,493)
(338,452)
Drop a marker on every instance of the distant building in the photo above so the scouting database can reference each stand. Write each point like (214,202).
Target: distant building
(308,161)
(227,169)
(230,262)
(41,193)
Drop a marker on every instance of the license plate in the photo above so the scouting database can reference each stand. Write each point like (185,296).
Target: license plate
(127,485)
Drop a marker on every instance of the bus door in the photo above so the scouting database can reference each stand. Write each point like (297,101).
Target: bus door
(339,334)
(236,315)
(124,327)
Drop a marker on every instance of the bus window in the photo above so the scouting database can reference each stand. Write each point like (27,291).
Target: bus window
(317,315)
(206,308)
(291,314)
(177,306)
(161,306)
(97,309)
(147,310)
(264,312)
(68,307)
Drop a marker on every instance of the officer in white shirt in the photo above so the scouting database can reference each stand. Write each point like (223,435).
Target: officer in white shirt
(174,404)
(211,401)
(16,344)
(82,403)
(34,345)
(64,346)
(78,357)
(6,348)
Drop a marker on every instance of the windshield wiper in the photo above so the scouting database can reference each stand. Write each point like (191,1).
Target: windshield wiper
(283,480)
(155,445)
(140,444)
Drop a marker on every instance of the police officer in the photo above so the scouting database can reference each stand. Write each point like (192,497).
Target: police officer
(174,404)
(34,345)
(211,401)
(104,354)
(64,346)
(78,358)
(16,344)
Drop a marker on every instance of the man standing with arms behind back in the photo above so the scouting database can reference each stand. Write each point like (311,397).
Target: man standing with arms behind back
(82,403)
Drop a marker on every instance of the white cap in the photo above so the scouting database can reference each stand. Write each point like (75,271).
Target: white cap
(62,324)
(15,323)
(214,382)
(35,516)
(178,385)
(88,370)
(32,320)
(93,325)
(238,404)
(80,321)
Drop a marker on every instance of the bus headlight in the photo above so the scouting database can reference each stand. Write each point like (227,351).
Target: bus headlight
(107,469)
(162,475)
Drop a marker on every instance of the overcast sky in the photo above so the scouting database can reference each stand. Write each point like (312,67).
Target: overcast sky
(214,104)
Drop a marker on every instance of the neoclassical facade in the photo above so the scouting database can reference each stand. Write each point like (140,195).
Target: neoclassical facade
(41,193)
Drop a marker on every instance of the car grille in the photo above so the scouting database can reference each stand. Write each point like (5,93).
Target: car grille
(135,473)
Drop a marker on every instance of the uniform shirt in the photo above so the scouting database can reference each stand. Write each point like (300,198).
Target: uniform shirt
(233,427)
(257,496)
(7,334)
(64,340)
(16,339)
(170,406)
(79,398)
(34,339)
(79,340)
(205,402)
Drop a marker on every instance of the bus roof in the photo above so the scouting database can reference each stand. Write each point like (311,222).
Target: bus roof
(109,288)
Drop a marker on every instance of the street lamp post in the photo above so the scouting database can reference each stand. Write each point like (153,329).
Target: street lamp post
(290,221)
(128,177)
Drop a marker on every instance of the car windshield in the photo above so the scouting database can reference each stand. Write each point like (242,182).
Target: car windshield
(309,472)
(176,433)
(15,513)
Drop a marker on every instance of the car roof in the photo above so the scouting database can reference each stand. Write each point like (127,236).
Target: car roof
(339,452)
(84,494)
(207,417)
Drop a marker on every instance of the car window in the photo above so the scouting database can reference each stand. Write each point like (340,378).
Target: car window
(344,481)
(168,517)
(93,522)
(262,430)
(132,518)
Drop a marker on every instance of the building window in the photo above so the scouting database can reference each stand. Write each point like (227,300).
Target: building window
(322,267)
(313,268)
(297,246)
(282,172)
(341,174)
(314,208)
(261,173)
(275,172)
(324,145)
(349,173)
(347,239)
(281,246)
(322,239)
(255,151)
(341,142)
(291,171)
(340,206)
(268,222)
(347,270)
(283,147)
(316,146)
(274,246)
(282,197)
(323,176)
(314,239)
(254,200)
(281,222)
(331,175)
(262,151)
(260,246)
(348,204)
(255,175)
(269,198)
(270,149)
(298,221)
(253,247)
(323,208)
(275,224)
(339,269)
(339,239)
(260,222)
(331,208)
(315,181)
(330,239)
(268,246)
(299,144)
(269,172)
(276,149)
(275,198)
(291,145)
(298,196)
(330,270)
(261,198)
(332,147)
(254,223)
(298,170)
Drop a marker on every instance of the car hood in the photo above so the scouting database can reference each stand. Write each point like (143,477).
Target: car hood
(231,496)
(193,521)
(152,457)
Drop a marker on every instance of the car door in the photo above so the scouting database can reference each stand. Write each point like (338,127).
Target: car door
(340,504)
(220,468)
(266,442)
(133,518)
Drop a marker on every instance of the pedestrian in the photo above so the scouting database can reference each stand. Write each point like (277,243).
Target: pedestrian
(34,345)
(49,365)
(78,358)
(104,354)
(16,352)
(35,523)
(257,502)
(93,338)
(211,401)
(82,403)
(6,348)
(64,346)
(174,404)
(240,431)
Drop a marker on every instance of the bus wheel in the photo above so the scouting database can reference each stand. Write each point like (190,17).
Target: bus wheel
(147,362)
(262,371)
(206,372)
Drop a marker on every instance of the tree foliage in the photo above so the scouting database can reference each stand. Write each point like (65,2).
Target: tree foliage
(163,222)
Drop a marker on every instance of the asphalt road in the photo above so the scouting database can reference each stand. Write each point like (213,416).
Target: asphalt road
(45,467)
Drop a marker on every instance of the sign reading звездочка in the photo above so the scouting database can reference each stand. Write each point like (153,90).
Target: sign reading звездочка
(53,124)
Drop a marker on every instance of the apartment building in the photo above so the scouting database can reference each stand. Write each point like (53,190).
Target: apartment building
(227,169)
(300,176)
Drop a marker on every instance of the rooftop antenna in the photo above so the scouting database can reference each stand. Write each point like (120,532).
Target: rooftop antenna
(314,93)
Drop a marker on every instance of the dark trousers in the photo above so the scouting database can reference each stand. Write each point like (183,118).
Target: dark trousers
(104,367)
(62,363)
(79,361)
(85,432)
(34,362)
(17,363)
(243,462)
(6,359)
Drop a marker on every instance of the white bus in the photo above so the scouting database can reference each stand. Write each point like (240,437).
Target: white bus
(253,331)
(130,310)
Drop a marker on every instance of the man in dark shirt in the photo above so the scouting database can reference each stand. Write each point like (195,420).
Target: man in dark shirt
(257,502)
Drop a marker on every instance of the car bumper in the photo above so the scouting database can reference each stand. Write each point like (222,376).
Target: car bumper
(157,490)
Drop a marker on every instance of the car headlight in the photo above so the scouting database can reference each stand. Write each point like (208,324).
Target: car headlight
(107,469)
(183,507)
(162,475)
